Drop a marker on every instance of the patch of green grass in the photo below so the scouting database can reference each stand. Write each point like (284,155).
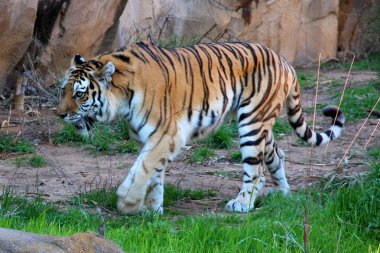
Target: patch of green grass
(13,144)
(222,138)
(68,135)
(369,63)
(37,161)
(281,128)
(127,146)
(359,100)
(236,157)
(306,79)
(174,193)
(374,153)
(104,198)
(22,161)
(108,138)
(200,154)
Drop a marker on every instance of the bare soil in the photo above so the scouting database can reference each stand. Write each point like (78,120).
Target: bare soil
(71,170)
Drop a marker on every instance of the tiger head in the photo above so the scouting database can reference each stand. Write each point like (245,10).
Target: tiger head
(84,99)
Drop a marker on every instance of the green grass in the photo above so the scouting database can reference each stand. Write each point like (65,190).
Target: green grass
(223,138)
(363,63)
(106,198)
(374,153)
(306,79)
(35,161)
(22,161)
(236,157)
(359,100)
(370,63)
(343,218)
(13,144)
(174,193)
(107,138)
(281,128)
(200,154)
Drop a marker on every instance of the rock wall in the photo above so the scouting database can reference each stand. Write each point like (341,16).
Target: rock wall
(47,33)
(359,27)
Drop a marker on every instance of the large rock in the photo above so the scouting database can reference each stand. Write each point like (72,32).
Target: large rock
(16,30)
(299,30)
(359,30)
(84,27)
(14,241)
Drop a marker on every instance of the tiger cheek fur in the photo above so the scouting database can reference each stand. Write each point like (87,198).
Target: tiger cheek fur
(170,96)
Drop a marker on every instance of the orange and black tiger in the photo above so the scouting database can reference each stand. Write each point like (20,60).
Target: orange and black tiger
(171,95)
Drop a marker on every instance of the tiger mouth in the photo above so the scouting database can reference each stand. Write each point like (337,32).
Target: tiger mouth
(84,123)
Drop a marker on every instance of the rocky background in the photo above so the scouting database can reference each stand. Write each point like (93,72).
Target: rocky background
(39,37)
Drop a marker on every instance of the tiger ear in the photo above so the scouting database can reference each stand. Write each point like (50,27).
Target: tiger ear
(77,60)
(106,72)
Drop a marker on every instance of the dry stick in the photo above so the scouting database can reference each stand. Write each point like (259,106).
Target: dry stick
(369,139)
(307,206)
(340,102)
(357,134)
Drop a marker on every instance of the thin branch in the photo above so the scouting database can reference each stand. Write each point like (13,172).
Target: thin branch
(340,101)
(357,134)
(370,137)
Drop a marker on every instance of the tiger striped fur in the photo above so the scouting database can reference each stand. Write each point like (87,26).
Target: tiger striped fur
(170,96)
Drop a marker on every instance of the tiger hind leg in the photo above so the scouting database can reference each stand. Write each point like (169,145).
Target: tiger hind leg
(275,162)
(252,145)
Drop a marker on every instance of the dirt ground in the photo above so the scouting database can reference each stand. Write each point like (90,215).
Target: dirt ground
(71,170)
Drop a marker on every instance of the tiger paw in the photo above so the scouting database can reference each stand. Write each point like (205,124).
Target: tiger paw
(155,207)
(130,207)
(127,202)
(239,205)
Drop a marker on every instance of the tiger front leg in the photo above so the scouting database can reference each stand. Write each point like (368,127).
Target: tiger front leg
(147,175)
(252,148)
(253,182)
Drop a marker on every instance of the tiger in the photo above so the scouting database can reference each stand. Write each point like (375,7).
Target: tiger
(170,96)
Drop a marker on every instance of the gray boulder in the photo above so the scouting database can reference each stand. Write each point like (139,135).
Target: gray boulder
(15,241)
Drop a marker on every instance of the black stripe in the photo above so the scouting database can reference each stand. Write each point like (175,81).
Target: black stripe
(122,57)
(319,139)
(253,132)
(330,134)
(252,161)
(252,143)
(299,122)
(138,56)
(338,123)
(308,133)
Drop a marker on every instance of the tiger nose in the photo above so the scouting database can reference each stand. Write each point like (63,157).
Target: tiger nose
(62,115)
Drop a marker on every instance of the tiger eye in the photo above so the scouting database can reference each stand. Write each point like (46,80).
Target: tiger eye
(79,94)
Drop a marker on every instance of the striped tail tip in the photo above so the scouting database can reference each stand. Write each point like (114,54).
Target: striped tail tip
(337,124)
